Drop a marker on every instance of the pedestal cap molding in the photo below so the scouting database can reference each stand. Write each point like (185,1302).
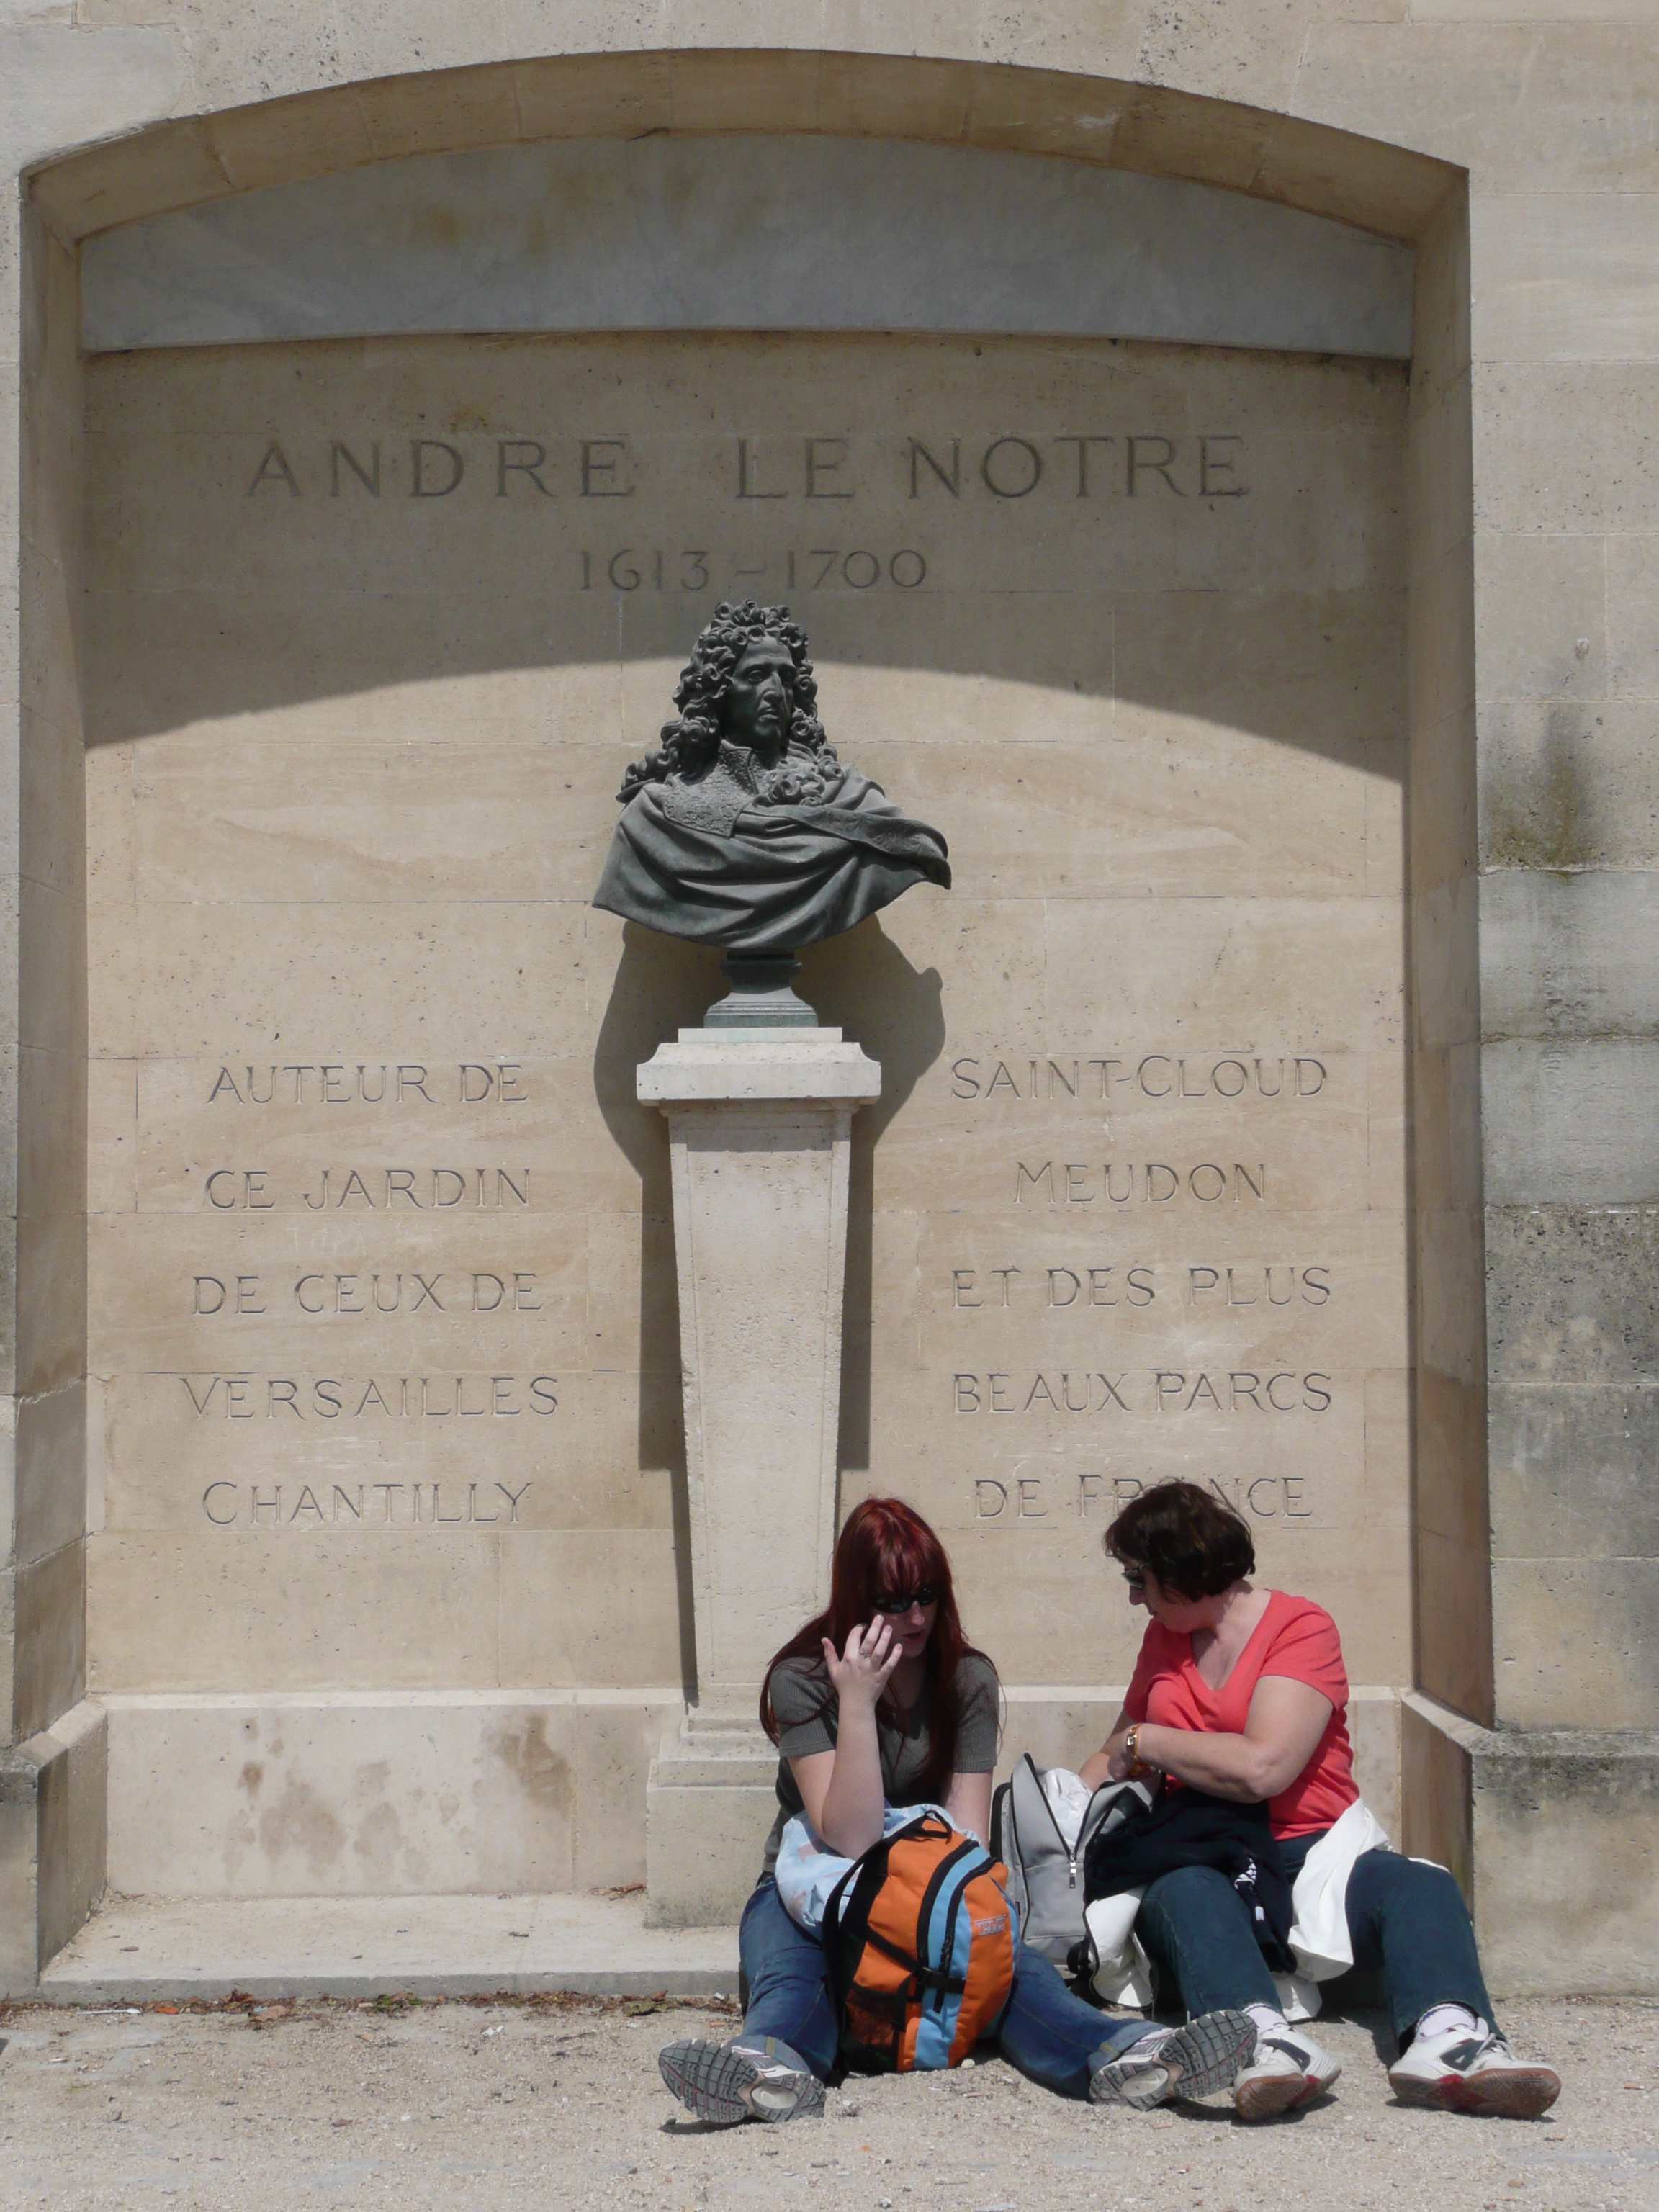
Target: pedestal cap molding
(709,1066)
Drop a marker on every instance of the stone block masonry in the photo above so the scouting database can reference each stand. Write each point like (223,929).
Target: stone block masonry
(1280,712)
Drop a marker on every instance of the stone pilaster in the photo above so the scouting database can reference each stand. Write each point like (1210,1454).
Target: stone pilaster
(760,1126)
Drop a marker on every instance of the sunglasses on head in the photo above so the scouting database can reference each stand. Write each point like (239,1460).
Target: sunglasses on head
(928,1594)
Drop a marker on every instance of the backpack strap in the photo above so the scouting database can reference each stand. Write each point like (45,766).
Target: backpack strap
(950,1873)
(924,1977)
(829,1937)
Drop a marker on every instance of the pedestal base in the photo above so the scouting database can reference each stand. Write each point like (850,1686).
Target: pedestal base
(762,995)
(176,1950)
(709,1805)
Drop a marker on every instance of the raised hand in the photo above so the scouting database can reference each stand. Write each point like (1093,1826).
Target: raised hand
(863,1670)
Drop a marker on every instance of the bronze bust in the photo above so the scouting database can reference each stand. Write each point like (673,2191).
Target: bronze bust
(744,830)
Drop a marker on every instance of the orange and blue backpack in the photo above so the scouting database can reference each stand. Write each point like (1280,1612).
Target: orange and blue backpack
(920,1940)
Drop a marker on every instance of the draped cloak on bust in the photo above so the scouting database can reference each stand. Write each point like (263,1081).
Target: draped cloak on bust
(717,861)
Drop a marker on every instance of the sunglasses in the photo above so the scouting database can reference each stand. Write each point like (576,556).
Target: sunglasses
(1135,1576)
(928,1594)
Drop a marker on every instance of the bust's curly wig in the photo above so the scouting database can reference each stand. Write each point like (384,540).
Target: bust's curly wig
(692,740)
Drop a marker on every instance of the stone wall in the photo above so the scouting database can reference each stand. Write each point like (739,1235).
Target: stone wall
(368,1167)
(1533,1002)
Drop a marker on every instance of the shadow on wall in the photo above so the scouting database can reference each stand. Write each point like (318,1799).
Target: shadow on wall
(232,573)
(1311,668)
(662,985)
(863,984)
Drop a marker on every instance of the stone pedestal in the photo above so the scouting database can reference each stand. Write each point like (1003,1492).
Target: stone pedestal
(760,1124)
(709,1801)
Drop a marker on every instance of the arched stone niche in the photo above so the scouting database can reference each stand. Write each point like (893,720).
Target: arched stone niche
(1157,131)
(231,784)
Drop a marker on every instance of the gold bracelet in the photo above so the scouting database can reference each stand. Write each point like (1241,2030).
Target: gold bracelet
(1132,1744)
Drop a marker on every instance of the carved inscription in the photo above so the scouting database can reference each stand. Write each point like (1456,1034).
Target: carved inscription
(372,1504)
(429,1190)
(1159,1239)
(1109,1284)
(244,1397)
(342,1083)
(1099,1076)
(1128,1183)
(395,1290)
(935,467)
(1261,1405)
(1153,1390)
(341,1291)
(1094,1497)
(816,568)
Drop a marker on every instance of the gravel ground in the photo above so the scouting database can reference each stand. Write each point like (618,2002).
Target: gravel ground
(554,2103)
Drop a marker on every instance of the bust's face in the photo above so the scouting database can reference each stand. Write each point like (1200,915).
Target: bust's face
(755,711)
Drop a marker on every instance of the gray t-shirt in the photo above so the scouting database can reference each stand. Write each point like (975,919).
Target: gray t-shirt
(807,1711)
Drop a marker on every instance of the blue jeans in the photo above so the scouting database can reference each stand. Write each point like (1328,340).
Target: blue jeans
(1047,2033)
(1406,1918)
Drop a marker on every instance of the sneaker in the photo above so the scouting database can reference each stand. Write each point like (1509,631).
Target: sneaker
(1195,2061)
(725,2082)
(1458,2072)
(1287,2070)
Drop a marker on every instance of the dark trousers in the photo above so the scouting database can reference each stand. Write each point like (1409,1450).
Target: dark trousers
(1406,1918)
(1049,2035)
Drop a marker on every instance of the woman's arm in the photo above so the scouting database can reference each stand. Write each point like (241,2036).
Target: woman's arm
(1096,1769)
(969,1804)
(1281,1733)
(842,1789)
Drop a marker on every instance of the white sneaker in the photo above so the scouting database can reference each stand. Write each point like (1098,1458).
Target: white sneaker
(1289,2069)
(1459,2072)
(1195,2061)
(725,2082)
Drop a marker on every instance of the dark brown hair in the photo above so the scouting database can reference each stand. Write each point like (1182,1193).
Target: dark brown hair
(692,740)
(1195,1546)
(885,1549)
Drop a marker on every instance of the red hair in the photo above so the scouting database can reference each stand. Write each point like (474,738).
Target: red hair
(885,1549)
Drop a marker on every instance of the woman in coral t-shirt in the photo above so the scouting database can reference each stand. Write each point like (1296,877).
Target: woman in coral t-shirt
(1240,1692)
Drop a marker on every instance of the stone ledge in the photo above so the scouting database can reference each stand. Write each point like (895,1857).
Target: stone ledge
(139,1950)
(1556,1828)
(1582,1750)
(53,1821)
(1585,1748)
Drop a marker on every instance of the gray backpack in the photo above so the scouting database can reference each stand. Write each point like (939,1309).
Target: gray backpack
(1045,1874)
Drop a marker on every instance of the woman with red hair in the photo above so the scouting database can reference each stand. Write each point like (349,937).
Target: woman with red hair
(881,1700)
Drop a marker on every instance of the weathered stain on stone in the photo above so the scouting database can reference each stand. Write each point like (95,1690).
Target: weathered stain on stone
(251,1776)
(539,1770)
(379,1840)
(431,222)
(301,1822)
(1538,816)
(373,1780)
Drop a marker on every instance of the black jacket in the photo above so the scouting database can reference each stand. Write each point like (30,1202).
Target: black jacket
(1188,1827)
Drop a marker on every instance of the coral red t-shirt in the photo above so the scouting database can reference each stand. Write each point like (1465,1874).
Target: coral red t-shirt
(1294,1637)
